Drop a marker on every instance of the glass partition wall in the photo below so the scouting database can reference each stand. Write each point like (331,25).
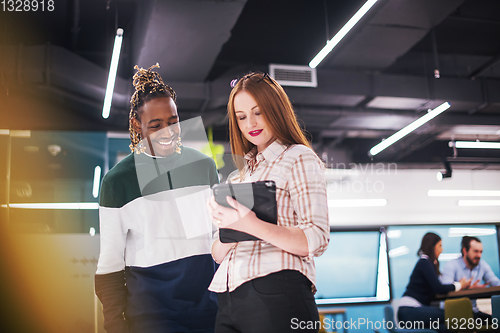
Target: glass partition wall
(404,242)
(353,269)
(49,207)
(55,178)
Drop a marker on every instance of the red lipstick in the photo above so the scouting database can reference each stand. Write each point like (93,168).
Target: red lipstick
(255,133)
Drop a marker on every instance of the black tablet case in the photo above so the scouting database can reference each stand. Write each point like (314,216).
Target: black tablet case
(261,194)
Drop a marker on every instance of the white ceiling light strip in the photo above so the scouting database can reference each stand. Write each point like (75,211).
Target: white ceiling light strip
(112,73)
(475,144)
(449,256)
(55,205)
(97,180)
(399,251)
(342,32)
(460,232)
(394,234)
(409,128)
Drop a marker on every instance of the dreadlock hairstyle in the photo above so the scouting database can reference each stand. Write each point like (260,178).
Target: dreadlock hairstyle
(148,85)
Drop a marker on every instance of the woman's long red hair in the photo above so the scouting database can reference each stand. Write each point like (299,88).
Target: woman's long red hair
(274,106)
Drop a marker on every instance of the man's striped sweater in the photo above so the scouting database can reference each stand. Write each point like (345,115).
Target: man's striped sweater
(155,265)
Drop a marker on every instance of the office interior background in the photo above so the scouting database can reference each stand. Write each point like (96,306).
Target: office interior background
(403,59)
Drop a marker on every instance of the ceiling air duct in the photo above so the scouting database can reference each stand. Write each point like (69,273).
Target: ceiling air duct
(292,75)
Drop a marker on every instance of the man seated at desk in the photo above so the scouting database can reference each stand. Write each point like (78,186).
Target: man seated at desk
(469,266)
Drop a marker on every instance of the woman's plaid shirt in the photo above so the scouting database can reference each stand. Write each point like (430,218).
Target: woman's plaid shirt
(302,202)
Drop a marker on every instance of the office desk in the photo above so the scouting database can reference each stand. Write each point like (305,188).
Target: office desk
(482,295)
(472,293)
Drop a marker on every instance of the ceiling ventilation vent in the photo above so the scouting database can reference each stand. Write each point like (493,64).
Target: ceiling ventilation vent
(291,75)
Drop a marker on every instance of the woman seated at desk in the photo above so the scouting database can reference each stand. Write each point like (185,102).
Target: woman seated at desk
(424,285)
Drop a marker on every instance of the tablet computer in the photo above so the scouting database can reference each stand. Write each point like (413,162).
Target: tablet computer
(259,196)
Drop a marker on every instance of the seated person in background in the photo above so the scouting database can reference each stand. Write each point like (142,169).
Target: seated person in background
(471,267)
(424,285)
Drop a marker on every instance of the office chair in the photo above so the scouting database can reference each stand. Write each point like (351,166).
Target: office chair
(389,317)
(495,307)
(458,312)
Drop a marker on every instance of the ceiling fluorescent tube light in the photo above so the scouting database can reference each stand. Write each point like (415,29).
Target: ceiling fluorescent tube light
(342,32)
(460,232)
(399,251)
(449,256)
(408,129)
(55,205)
(112,73)
(463,193)
(476,144)
(97,179)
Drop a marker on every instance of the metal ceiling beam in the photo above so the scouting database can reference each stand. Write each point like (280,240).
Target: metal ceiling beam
(485,67)
(451,119)
(474,19)
(349,89)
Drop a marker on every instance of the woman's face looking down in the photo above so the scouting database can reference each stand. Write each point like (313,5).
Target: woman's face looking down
(251,122)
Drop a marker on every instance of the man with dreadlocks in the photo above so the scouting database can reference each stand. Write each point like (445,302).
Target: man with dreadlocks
(155,265)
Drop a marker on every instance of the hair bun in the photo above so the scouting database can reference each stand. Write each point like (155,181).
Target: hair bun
(147,78)
(148,82)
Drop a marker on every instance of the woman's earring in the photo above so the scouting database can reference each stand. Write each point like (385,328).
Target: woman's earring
(178,145)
